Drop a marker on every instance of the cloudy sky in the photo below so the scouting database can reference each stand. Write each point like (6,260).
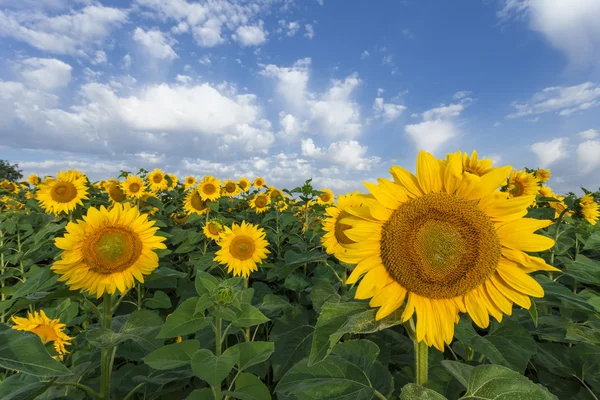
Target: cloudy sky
(291,89)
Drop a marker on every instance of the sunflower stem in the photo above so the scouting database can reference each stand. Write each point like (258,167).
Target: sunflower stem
(2,269)
(106,353)
(421,362)
(218,326)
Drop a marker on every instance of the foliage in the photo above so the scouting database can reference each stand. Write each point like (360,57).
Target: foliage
(10,172)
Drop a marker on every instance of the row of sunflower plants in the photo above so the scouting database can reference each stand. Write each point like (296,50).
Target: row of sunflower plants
(464,280)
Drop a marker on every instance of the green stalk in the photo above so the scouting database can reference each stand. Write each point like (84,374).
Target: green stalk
(421,367)
(218,326)
(2,270)
(106,353)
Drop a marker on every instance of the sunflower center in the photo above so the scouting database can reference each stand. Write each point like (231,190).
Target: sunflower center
(259,182)
(213,228)
(63,192)
(190,181)
(439,246)
(325,197)
(242,247)
(197,202)
(112,249)
(340,229)
(517,189)
(261,201)
(116,193)
(209,188)
(157,179)
(134,188)
(45,332)
(230,187)
(243,184)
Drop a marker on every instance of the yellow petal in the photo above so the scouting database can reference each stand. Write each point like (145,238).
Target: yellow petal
(428,173)
(518,279)
(407,180)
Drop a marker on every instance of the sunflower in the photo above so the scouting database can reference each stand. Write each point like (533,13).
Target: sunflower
(194,204)
(326,197)
(157,181)
(259,182)
(134,187)
(242,247)
(34,179)
(49,330)
(190,181)
(230,188)
(260,203)
(209,188)
(447,242)
(213,229)
(108,250)
(281,205)
(9,186)
(174,181)
(589,209)
(522,183)
(115,193)
(62,194)
(334,238)
(179,219)
(474,165)
(546,191)
(275,194)
(244,184)
(542,174)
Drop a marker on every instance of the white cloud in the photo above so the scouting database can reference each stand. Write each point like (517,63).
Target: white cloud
(205,60)
(387,111)
(291,81)
(310,31)
(309,149)
(347,154)
(99,58)
(443,111)
(588,155)
(364,54)
(155,43)
(462,94)
(126,61)
(430,135)
(387,59)
(183,79)
(408,33)
(589,134)
(550,151)
(97,168)
(180,28)
(562,99)
(46,73)
(291,127)
(570,26)
(150,158)
(209,34)
(288,28)
(251,35)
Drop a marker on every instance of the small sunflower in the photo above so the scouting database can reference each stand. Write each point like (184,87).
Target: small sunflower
(259,182)
(242,247)
(49,330)
(230,188)
(179,219)
(190,182)
(334,239)
(326,197)
(446,241)
(134,187)
(9,186)
(174,181)
(244,184)
(275,194)
(62,194)
(589,209)
(157,181)
(209,188)
(281,205)
(474,165)
(522,183)
(115,193)
(194,203)
(213,229)
(542,175)
(260,203)
(546,191)
(34,179)
(108,250)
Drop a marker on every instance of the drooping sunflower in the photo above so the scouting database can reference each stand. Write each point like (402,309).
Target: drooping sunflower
(589,209)
(522,183)
(230,188)
(473,165)
(209,188)
(275,194)
(134,187)
(179,218)
(115,193)
(259,182)
(542,174)
(34,179)
(213,229)
(194,203)
(281,205)
(9,186)
(174,181)
(49,330)
(334,239)
(62,194)
(190,181)
(157,181)
(325,197)
(260,203)
(242,248)
(108,250)
(446,242)
(546,191)
(244,184)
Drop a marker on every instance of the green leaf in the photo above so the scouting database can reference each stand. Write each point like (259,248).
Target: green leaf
(249,316)
(412,391)
(533,313)
(593,242)
(172,355)
(204,302)
(201,394)
(556,291)
(213,369)
(205,282)
(160,300)
(272,305)
(296,282)
(25,352)
(252,353)
(184,320)
(462,372)
(584,270)
(141,327)
(153,201)
(249,387)
(292,335)
(321,293)
(21,387)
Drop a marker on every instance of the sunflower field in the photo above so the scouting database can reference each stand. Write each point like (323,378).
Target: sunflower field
(464,280)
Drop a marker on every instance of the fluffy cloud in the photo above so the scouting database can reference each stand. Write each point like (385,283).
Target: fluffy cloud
(430,135)
(588,155)
(387,111)
(251,35)
(291,81)
(589,134)
(288,28)
(562,99)
(208,34)
(46,73)
(550,151)
(347,154)
(310,31)
(155,43)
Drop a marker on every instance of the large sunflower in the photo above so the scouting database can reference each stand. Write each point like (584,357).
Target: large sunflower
(242,247)
(190,182)
(259,182)
(260,203)
(62,194)
(334,239)
(522,183)
(194,203)
(213,229)
(49,330)
(446,242)
(244,184)
(325,197)
(108,250)
(157,181)
(134,187)
(230,188)
(589,209)
(209,188)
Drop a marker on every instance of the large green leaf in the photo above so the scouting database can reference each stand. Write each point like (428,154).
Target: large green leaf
(248,316)
(593,242)
(184,320)
(21,387)
(412,391)
(172,355)
(160,300)
(141,327)
(24,351)
(584,269)
(249,387)
(556,293)
(252,353)
(214,369)
(292,335)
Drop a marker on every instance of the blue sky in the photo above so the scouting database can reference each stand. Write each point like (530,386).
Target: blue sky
(291,89)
